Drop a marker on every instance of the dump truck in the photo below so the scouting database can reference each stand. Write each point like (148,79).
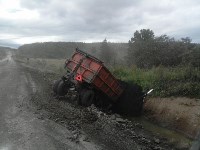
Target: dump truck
(96,85)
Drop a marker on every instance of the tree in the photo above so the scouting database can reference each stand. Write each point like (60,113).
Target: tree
(140,49)
(143,35)
(106,54)
(192,57)
(145,50)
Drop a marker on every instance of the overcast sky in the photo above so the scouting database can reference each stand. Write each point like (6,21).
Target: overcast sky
(28,21)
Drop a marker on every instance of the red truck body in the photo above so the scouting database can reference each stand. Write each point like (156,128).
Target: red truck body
(91,70)
(95,84)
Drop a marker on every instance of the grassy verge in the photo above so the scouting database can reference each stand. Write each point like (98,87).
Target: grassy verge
(179,81)
(53,65)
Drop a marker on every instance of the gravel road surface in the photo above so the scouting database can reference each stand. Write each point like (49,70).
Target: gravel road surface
(20,128)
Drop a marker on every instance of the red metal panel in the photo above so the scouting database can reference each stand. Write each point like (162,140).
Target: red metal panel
(107,83)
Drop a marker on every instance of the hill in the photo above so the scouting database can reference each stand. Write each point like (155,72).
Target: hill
(65,49)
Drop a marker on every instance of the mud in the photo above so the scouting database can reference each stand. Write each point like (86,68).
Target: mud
(89,126)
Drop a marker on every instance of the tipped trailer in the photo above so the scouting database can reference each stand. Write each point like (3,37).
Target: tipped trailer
(96,85)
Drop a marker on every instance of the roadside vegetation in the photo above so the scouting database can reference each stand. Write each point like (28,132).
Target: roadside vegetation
(177,81)
(171,67)
(44,64)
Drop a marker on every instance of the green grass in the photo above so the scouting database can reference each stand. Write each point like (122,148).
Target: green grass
(179,81)
(54,65)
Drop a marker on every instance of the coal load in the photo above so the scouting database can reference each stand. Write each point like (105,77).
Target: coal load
(131,101)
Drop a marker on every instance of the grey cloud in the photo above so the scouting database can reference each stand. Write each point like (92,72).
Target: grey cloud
(101,16)
(81,20)
(34,4)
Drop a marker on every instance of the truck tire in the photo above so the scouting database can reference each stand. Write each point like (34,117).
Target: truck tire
(131,101)
(55,85)
(62,88)
(86,97)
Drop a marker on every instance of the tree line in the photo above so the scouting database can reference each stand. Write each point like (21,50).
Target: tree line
(144,50)
(60,50)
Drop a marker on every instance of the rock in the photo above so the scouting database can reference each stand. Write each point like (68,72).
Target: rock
(40,117)
(133,133)
(62,121)
(139,125)
(120,120)
(118,116)
(157,148)
(99,114)
(57,119)
(77,141)
(113,117)
(148,141)
(143,138)
(76,135)
(134,136)
(156,140)
(86,139)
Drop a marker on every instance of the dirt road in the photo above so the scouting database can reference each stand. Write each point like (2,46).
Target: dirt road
(31,118)
(20,127)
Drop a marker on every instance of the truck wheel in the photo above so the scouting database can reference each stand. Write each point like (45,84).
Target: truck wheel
(62,88)
(87,98)
(55,85)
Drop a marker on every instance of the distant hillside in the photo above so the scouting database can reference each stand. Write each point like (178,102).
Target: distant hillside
(2,48)
(65,49)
